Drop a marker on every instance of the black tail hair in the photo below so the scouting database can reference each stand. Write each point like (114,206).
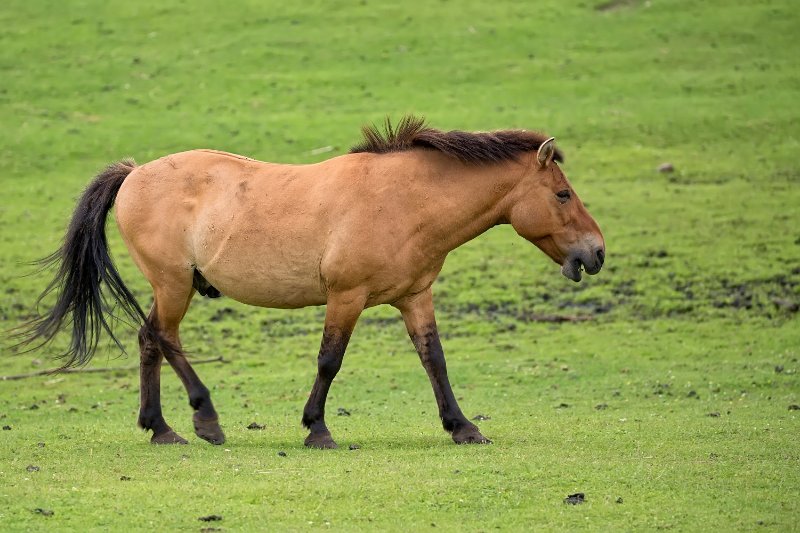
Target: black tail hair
(84,265)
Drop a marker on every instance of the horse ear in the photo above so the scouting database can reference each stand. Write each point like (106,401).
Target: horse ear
(546,152)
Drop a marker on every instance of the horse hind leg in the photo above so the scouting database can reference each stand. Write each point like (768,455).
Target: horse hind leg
(171,303)
(150,414)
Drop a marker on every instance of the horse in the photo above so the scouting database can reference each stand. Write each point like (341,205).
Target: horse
(366,228)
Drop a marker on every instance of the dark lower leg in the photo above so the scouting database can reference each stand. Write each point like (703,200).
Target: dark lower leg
(150,415)
(421,325)
(329,361)
(430,351)
(206,424)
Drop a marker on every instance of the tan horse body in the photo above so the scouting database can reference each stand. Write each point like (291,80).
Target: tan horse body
(351,232)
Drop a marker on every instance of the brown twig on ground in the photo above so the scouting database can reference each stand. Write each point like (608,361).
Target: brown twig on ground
(54,371)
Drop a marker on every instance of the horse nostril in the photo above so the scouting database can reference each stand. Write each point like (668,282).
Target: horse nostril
(601,256)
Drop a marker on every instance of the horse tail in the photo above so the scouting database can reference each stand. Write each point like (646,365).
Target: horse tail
(83,266)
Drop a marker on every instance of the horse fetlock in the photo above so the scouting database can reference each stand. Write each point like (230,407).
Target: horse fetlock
(314,418)
(152,420)
(201,398)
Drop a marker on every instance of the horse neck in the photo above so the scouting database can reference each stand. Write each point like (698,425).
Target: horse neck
(470,199)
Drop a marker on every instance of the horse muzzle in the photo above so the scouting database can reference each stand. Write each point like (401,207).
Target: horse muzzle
(576,263)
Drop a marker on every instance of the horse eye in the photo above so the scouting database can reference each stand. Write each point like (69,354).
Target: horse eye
(563,196)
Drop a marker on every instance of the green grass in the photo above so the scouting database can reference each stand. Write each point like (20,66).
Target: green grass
(694,314)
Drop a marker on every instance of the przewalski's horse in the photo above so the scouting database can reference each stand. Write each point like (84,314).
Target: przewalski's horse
(367,228)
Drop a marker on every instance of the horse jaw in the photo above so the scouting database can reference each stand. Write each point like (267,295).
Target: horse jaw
(572,268)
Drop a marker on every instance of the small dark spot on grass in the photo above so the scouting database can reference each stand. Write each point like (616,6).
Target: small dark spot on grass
(210,518)
(601,406)
(778,369)
(354,447)
(255,425)
(692,394)
(32,468)
(792,407)
(6,428)
(562,406)
(618,500)
(714,414)
(281,453)
(342,412)
(481,417)
(575,499)
(40,444)
(43,512)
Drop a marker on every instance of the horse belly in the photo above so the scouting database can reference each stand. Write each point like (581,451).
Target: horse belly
(264,270)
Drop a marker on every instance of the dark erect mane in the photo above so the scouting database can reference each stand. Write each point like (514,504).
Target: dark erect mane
(468,147)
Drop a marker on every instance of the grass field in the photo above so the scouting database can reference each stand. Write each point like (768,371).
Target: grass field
(670,396)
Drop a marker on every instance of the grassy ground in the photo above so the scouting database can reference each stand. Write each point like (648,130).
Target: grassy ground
(669,406)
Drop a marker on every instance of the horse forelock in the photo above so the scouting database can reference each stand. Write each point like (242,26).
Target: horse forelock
(468,147)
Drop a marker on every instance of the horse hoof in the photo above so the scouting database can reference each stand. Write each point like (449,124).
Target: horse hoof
(168,437)
(470,435)
(208,429)
(322,441)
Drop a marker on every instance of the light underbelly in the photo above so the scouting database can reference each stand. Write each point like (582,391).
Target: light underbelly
(277,287)
(264,270)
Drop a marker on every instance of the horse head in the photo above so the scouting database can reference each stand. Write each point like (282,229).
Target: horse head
(545,210)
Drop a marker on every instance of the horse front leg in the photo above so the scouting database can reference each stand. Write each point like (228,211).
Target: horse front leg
(340,318)
(421,325)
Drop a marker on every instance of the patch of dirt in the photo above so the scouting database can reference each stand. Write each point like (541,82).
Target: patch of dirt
(223,313)
(496,312)
(613,5)
(765,294)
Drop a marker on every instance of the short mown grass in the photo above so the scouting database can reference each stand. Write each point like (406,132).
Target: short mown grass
(665,389)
